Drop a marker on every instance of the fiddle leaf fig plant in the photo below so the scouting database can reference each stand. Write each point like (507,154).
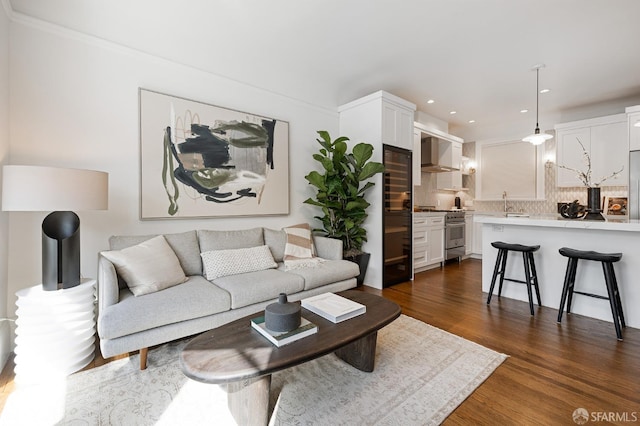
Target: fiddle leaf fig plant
(341,188)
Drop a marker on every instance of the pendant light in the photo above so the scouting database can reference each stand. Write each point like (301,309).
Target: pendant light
(537,138)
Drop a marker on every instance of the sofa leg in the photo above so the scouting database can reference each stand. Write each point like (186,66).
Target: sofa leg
(143,358)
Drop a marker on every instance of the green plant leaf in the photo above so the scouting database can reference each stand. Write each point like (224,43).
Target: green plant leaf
(362,152)
(370,169)
(316,179)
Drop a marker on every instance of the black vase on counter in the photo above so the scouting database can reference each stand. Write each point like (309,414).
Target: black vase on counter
(593,204)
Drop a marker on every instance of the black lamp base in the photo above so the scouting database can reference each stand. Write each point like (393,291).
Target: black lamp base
(60,251)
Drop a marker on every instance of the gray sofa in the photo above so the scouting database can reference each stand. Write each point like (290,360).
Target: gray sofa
(128,323)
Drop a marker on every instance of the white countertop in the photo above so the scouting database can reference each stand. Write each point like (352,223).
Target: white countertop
(559,222)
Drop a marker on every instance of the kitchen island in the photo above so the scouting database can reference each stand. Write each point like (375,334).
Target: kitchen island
(553,233)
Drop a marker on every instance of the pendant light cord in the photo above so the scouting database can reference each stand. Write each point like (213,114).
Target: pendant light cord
(537,95)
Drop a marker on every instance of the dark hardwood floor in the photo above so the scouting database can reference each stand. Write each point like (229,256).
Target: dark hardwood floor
(551,371)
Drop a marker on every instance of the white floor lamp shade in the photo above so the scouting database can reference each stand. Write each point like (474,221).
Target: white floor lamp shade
(38,188)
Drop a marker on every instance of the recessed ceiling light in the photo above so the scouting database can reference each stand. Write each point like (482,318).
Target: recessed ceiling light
(472,121)
(545,90)
(524,110)
(430,101)
(453,112)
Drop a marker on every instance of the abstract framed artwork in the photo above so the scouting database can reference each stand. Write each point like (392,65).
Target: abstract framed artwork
(199,160)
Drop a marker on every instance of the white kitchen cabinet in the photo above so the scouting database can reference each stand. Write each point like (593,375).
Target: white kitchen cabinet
(397,124)
(633,118)
(605,139)
(451,154)
(428,240)
(420,242)
(436,244)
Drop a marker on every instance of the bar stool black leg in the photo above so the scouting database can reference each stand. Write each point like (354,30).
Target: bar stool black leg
(495,275)
(608,271)
(528,278)
(572,283)
(504,267)
(565,288)
(617,291)
(535,277)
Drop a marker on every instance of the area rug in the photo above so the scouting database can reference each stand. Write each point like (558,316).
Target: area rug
(421,375)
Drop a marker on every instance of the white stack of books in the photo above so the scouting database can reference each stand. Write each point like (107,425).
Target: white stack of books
(281,338)
(333,307)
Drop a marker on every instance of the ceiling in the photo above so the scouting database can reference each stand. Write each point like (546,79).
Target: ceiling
(474,57)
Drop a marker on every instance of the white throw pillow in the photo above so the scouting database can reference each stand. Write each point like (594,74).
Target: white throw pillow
(147,267)
(220,263)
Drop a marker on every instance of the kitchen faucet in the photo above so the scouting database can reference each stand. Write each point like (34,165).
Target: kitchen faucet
(504,197)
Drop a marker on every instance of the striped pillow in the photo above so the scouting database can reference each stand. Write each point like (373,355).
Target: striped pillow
(299,251)
(299,243)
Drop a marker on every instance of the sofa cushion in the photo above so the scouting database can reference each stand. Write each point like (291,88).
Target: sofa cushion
(253,287)
(224,240)
(147,267)
(220,263)
(327,272)
(184,245)
(135,314)
(276,240)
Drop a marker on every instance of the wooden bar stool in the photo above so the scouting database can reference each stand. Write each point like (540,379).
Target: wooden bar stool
(531,277)
(607,260)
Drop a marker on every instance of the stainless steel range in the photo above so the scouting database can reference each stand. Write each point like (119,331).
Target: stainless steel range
(454,235)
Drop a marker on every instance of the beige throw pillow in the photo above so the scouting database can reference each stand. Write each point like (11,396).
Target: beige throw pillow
(220,263)
(147,267)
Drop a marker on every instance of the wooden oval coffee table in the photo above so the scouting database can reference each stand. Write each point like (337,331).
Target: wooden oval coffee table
(237,355)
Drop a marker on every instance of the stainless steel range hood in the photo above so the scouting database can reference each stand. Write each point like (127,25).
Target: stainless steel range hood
(431,147)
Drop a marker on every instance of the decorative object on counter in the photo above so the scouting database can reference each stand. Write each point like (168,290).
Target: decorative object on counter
(594,209)
(537,138)
(282,315)
(616,206)
(341,194)
(572,210)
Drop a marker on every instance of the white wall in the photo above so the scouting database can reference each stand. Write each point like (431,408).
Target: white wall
(74,103)
(5,346)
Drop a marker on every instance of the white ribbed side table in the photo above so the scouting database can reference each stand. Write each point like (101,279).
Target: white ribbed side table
(55,331)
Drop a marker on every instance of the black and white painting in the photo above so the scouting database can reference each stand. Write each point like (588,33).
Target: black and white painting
(200,160)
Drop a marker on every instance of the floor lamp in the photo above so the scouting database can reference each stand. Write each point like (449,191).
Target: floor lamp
(38,188)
